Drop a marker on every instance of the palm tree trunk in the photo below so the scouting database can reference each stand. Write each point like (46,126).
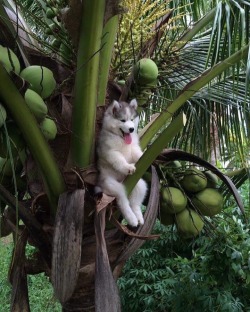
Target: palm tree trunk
(103,252)
(83,298)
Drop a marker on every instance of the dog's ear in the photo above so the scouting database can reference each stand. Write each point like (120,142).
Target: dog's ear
(133,104)
(113,107)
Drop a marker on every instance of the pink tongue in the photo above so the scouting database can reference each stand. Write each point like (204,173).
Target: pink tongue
(127,138)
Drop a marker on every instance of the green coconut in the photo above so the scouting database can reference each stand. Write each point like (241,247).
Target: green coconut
(146,71)
(48,128)
(41,80)
(174,164)
(171,167)
(194,180)
(172,200)
(208,201)
(36,104)
(189,223)
(166,218)
(3,115)
(212,179)
(142,96)
(9,60)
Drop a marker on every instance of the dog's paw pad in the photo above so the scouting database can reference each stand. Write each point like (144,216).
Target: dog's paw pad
(133,221)
(131,169)
(141,221)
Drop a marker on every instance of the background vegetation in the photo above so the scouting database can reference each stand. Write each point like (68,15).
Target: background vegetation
(40,290)
(210,273)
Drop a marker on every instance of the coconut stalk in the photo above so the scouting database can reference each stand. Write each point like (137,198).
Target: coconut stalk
(39,148)
(188,91)
(154,150)
(108,40)
(86,83)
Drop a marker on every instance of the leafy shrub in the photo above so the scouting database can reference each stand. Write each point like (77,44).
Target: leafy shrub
(211,273)
(40,290)
(5,292)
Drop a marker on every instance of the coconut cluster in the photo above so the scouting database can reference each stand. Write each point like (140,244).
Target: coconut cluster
(55,29)
(41,85)
(145,80)
(186,201)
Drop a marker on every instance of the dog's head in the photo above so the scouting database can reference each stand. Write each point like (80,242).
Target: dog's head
(122,118)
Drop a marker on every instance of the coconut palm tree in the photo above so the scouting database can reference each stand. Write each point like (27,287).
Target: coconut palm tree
(92,48)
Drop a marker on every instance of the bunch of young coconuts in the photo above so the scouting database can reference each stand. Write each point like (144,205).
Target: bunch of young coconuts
(193,196)
(41,85)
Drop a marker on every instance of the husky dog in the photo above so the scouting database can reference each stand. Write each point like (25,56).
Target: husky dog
(118,150)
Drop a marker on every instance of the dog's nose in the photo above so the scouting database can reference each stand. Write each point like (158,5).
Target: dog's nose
(131,129)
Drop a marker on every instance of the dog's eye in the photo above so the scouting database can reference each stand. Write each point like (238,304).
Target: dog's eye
(123,120)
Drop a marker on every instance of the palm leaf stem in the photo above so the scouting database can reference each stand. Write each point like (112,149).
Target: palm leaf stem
(108,40)
(86,83)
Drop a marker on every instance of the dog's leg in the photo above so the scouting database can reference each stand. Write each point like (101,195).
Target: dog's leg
(119,162)
(136,199)
(116,189)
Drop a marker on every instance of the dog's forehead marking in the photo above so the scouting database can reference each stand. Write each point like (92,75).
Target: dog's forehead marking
(128,113)
(121,111)
(125,111)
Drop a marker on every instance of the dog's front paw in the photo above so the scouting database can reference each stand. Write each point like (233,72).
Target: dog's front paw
(132,220)
(141,220)
(138,214)
(131,169)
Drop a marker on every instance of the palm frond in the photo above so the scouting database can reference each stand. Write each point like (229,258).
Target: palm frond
(218,112)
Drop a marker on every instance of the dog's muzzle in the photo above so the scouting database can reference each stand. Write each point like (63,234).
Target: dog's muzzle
(127,136)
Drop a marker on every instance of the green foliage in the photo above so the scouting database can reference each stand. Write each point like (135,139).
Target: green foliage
(5,292)
(40,290)
(211,273)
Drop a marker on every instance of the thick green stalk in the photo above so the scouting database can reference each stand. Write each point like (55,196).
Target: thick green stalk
(189,90)
(154,150)
(108,40)
(86,84)
(33,136)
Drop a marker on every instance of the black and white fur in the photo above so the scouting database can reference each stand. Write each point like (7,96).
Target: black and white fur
(118,151)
